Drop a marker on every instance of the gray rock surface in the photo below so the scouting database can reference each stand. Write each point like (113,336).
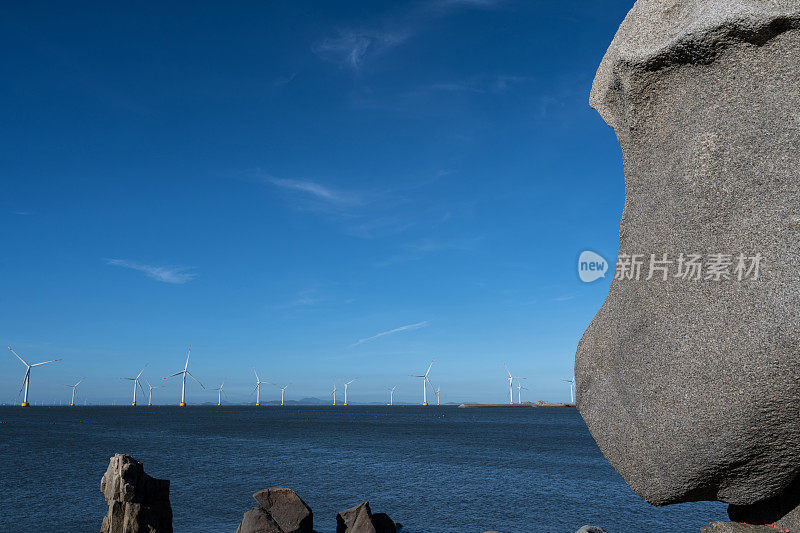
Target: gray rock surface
(279,510)
(359,519)
(137,503)
(591,529)
(735,527)
(691,388)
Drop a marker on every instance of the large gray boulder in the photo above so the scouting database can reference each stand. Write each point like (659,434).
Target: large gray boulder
(359,519)
(690,381)
(279,510)
(137,503)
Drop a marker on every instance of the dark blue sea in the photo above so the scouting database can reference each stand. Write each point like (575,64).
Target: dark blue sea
(434,469)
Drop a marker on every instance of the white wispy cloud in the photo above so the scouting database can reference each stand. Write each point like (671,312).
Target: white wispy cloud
(165,274)
(350,47)
(409,327)
(316,190)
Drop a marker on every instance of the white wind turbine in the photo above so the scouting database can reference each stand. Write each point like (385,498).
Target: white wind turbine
(520,388)
(437,394)
(183,373)
(334,393)
(257,389)
(219,392)
(283,389)
(391,395)
(347,384)
(571,389)
(425,383)
(26,382)
(136,384)
(74,391)
(150,392)
(511,385)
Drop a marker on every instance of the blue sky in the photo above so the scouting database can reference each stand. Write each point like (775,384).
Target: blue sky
(319,189)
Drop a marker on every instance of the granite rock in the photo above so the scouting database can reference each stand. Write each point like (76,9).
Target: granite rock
(736,527)
(359,519)
(591,529)
(137,503)
(279,510)
(691,387)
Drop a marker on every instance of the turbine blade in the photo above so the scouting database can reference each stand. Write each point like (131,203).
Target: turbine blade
(24,362)
(187,358)
(78,383)
(429,369)
(142,372)
(46,362)
(175,374)
(507,370)
(194,378)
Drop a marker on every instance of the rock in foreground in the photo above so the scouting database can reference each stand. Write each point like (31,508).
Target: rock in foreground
(137,503)
(688,376)
(591,529)
(279,510)
(737,527)
(359,519)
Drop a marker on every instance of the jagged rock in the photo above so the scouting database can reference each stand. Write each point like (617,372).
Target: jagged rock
(691,388)
(137,503)
(591,529)
(279,510)
(359,519)
(736,527)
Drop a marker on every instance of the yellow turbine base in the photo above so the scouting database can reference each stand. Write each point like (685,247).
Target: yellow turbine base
(257,404)
(219,404)
(149,404)
(182,404)
(345,404)
(25,404)
(424,403)
(72,405)
(133,404)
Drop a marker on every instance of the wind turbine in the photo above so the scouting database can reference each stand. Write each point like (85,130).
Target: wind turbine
(150,392)
(347,384)
(334,393)
(183,374)
(283,389)
(425,382)
(520,388)
(136,384)
(391,395)
(437,394)
(74,390)
(257,389)
(26,382)
(511,385)
(571,389)
(219,393)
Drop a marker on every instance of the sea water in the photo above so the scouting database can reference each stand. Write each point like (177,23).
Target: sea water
(434,469)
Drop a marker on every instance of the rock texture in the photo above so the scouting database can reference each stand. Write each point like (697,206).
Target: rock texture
(591,529)
(735,527)
(359,519)
(137,503)
(279,510)
(691,388)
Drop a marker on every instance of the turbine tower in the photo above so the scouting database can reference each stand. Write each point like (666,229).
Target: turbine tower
(74,391)
(425,383)
(26,382)
(511,385)
(150,392)
(347,384)
(334,393)
(183,373)
(391,395)
(437,394)
(283,389)
(571,389)
(136,384)
(257,389)
(219,393)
